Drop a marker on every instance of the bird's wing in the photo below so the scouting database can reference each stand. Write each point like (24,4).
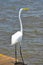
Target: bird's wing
(16,37)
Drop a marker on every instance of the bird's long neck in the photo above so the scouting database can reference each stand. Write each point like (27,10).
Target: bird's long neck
(21,27)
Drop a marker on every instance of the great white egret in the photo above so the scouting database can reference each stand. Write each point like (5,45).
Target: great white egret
(17,37)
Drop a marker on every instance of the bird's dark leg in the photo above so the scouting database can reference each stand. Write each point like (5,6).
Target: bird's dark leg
(15,52)
(21,54)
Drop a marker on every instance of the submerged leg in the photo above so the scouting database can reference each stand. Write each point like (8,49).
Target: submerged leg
(21,54)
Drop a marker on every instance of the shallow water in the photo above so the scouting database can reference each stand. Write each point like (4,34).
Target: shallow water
(32,43)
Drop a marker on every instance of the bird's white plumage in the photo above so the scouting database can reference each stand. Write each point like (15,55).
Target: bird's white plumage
(17,37)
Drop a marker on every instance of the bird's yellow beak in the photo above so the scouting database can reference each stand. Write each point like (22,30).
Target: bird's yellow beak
(26,9)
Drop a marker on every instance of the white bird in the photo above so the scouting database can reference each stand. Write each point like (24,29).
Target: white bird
(17,37)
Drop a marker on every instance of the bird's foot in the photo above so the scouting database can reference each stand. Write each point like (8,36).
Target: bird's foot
(19,63)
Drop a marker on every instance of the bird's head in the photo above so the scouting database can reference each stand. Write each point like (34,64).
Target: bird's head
(25,9)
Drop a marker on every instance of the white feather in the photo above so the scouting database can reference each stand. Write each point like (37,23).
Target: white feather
(17,37)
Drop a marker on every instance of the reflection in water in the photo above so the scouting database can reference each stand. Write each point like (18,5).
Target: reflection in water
(32,44)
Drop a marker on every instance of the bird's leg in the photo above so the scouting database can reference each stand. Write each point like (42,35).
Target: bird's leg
(15,53)
(21,54)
